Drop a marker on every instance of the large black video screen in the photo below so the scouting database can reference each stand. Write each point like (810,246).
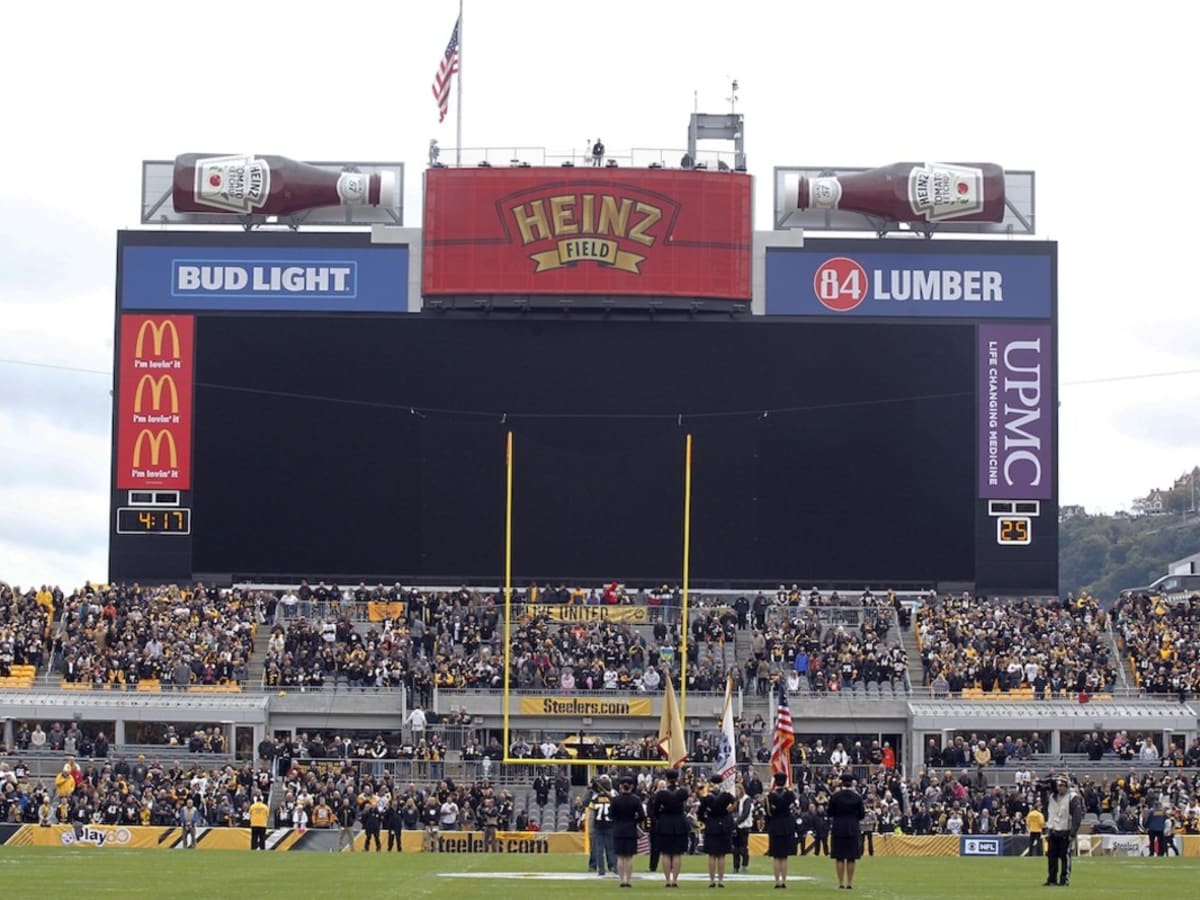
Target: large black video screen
(364,447)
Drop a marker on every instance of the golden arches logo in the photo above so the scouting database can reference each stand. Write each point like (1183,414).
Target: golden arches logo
(157,334)
(155,440)
(157,386)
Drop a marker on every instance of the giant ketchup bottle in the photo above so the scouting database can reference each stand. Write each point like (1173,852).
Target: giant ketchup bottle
(271,185)
(906,192)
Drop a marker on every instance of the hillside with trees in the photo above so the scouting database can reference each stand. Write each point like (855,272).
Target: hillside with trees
(1104,554)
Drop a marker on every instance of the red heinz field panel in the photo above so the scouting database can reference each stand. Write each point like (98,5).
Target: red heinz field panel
(611,232)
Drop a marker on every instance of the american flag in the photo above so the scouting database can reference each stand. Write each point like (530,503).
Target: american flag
(445,72)
(785,737)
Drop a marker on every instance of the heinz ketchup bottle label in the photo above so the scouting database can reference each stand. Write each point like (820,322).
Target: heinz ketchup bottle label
(239,184)
(939,191)
(352,188)
(824,192)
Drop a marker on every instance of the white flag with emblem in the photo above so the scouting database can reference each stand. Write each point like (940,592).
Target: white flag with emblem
(726,743)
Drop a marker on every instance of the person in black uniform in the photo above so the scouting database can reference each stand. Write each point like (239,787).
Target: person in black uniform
(627,815)
(743,823)
(652,824)
(716,814)
(667,809)
(393,823)
(846,810)
(781,827)
(372,820)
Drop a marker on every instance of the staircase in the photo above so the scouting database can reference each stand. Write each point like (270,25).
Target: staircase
(256,666)
(908,640)
(752,704)
(1126,674)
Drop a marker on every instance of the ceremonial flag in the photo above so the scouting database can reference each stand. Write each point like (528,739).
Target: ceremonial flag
(670,729)
(727,743)
(785,737)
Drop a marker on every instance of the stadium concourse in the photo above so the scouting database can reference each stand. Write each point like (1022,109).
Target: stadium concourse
(390,699)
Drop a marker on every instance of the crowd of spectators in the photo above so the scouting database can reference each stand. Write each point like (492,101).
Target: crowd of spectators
(72,740)
(807,641)
(799,640)
(325,796)
(1050,647)
(1162,640)
(24,626)
(318,779)
(281,754)
(120,791)
(119,636)
(800,650)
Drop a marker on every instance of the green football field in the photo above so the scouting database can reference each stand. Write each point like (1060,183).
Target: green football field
(205,875)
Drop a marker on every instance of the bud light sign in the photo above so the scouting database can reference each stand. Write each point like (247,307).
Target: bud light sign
(1015,408)
(340,273)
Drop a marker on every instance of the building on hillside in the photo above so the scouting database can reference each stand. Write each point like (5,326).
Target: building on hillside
(1150,505)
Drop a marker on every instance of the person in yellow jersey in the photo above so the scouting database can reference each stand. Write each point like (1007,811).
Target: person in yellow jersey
(1036,823)
(259,814)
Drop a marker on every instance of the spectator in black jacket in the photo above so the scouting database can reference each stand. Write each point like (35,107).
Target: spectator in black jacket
(372,820)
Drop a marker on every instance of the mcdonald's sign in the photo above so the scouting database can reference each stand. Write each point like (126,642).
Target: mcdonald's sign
(154,402)
(158,331)
(157,387)
(154,440)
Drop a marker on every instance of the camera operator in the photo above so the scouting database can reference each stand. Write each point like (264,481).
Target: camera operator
(1064,813)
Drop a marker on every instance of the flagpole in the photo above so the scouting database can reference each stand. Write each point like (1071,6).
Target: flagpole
(508,504)
(458,99)
(687,556)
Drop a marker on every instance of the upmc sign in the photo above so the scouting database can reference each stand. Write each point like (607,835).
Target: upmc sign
(154,402)
(911,279)
(611,232)
(1016,407)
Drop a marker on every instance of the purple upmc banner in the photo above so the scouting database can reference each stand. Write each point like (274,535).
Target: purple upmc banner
(1016,405)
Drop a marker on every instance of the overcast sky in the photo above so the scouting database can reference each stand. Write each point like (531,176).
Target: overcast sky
(1095,99)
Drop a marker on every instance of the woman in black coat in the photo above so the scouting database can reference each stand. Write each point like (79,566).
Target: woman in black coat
(716,812)
(847,810)
(781,827)
(670,822)
(627,815)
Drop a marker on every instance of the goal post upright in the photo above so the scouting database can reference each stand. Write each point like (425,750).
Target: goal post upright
(508,505)
(506,697)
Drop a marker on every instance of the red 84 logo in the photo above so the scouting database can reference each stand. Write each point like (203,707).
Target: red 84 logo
(840,284)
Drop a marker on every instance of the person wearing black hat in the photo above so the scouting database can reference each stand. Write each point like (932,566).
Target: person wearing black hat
(627,815)
(846,810)
(667,809)
(781,827)
(716,814)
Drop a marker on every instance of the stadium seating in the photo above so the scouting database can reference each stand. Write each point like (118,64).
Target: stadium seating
(1043,647)
(1160,640)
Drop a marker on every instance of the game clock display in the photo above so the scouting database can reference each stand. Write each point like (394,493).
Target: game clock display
(1014,531)
(134,520)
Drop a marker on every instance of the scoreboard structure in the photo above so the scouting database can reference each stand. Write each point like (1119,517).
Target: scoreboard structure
(995,304)
(334,405)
